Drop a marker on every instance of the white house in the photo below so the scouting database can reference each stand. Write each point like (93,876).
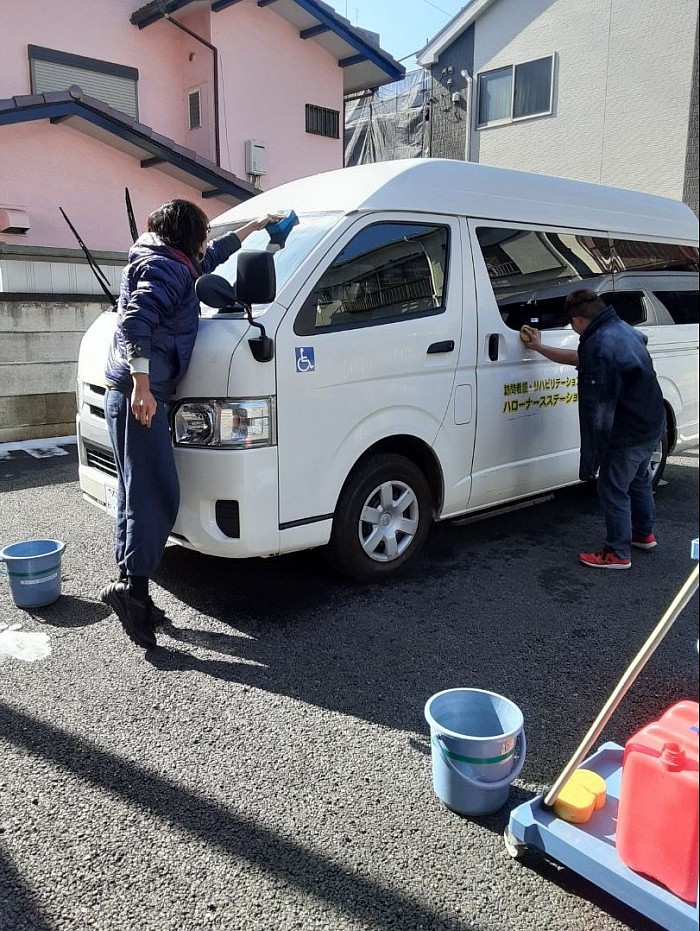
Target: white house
(603,91)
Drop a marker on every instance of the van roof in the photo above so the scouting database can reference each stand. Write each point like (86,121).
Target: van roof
(445,186)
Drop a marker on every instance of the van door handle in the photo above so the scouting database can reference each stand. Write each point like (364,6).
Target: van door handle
(494,341)
(447,346)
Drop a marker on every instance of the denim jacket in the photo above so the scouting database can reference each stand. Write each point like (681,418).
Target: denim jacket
(620,400)
(158,312)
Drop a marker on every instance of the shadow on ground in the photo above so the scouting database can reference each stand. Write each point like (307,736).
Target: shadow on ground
(526,621)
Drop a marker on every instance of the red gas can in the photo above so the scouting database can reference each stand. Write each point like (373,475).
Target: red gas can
(657,826)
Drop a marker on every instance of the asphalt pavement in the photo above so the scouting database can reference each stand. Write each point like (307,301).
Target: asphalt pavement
(267,767)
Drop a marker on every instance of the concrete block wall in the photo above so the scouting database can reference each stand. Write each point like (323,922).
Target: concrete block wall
(39,342)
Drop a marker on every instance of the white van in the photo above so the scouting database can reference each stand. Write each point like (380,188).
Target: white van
(399,391)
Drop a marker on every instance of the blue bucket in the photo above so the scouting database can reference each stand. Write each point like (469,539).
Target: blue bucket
(478,748)
(34,571)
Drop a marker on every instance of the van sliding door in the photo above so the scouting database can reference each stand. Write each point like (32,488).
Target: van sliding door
(527,437)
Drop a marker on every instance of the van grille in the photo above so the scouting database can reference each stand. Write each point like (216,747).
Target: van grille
(100,459)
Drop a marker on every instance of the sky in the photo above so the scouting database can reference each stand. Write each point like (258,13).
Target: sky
(404,25)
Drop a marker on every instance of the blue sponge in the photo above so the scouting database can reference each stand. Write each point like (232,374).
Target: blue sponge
(280,230)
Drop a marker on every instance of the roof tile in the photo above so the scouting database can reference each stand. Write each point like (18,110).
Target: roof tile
(28,100)
(124,122)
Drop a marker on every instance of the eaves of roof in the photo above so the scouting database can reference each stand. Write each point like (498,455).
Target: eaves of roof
(365,64)
(451,31)
(117,129)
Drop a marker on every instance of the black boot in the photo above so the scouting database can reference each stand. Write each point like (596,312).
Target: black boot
(134,614)
(158,616)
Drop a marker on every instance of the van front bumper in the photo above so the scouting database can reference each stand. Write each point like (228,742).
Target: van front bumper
(228,501)
(228,498)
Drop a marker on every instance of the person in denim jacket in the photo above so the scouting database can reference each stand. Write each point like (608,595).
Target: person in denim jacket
(157,321)
(622,419)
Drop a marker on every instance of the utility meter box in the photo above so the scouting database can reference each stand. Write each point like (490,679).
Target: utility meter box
(255,157)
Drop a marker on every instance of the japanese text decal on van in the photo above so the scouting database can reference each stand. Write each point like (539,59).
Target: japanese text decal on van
(549,392)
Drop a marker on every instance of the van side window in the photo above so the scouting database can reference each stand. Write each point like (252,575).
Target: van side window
(532,271)
(629,305)
(684,306)
(637,256)
(388,272)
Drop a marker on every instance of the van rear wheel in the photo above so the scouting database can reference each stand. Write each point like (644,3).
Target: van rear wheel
(658,461)
(382,519)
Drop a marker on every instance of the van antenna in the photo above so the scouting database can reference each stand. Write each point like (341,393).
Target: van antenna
(133,228)
(94,267)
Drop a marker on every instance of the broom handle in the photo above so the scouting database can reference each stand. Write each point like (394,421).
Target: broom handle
(638,663)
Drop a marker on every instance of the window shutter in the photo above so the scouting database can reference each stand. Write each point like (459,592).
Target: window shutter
(194,106)
(117,92)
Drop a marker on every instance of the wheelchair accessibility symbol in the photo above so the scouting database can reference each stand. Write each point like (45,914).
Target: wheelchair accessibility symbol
(306,360)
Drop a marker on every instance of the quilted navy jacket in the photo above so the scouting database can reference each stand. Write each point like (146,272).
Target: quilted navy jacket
(158,312)
(620,400)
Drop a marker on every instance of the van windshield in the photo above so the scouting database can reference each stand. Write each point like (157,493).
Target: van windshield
(304,237)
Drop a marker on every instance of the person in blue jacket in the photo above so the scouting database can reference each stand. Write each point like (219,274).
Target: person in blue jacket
(158,315)
(622,418)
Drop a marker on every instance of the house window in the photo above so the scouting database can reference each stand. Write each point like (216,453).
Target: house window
(194,109)
(115,85)
(322,122)
(517,92)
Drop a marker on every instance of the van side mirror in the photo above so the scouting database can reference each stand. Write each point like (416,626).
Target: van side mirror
(256,282)
(215,291)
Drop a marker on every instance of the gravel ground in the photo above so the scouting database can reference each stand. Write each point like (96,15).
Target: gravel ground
(267,768)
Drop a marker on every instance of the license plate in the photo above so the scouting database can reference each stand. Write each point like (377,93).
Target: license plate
(111,500)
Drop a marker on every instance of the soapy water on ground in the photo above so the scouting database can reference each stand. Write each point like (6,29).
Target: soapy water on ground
(25,645)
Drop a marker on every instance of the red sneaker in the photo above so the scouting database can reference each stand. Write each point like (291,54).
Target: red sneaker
(605,560)
(647,542)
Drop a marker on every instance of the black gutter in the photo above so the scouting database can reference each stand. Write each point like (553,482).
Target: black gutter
(215,53)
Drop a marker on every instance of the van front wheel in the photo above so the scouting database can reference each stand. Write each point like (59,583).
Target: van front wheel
(382,519)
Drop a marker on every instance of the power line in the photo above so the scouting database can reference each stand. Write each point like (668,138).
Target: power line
(436,7)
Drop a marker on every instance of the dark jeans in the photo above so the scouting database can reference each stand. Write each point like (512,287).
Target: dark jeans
(149,492)
(625,492)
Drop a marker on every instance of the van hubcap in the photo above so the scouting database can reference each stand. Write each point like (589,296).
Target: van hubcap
(389,521)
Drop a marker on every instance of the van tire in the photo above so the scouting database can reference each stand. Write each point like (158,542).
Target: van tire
(397,476)
(658,463)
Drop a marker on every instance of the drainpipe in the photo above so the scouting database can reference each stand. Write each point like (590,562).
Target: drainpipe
(215,53)
(469,98)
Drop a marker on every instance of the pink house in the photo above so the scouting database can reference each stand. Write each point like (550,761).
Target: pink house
(212,100)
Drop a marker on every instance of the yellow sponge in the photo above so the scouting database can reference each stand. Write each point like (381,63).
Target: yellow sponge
(583,794)
(526,333)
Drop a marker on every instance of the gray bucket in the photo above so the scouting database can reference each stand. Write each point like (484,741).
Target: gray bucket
(478,748)
(34,570)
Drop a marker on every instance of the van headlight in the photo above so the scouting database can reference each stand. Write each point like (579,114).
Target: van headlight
(225,424)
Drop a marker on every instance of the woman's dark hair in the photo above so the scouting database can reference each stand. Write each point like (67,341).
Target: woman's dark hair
(180,224)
